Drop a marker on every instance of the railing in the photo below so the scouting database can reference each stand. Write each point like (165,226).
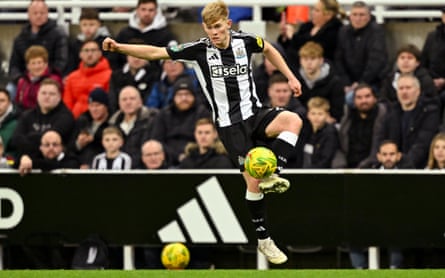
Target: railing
(69,10)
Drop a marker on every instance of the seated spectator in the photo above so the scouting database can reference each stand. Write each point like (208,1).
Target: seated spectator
(322,143)
(361,54)
(154,156)
(36,58)
(135,120)
(113,158)
(52,156)
(326,16)
(388,157)
(317,78)
(94,71)
(86,141)
(436,156)
(263,72)
(50,113)
(39,31)
(432,56)
(146,23)
(412,122)
(408,61)
(8,121)
(137,72)
(174,125)
(91,28)
(5,162)
(359,129)
(162,93)
(207,152)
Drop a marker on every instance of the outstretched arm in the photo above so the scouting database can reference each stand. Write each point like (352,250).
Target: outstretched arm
(148,52)
(277,60)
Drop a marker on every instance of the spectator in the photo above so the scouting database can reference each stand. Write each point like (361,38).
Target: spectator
(361,54)
(408,61)
(175,123)
(51,156)
(436,156)
(322,142)
(412,122)
(137,72)
(154,156)
(147,23)
(162,93)
(263,72)
(388,158)
(36,58)
(326,16)
(317,78)
(113,158)
(86,141)
(432,57)
(91,28)
(94,71)
(359,129)
(280,95)
(39,31)
(50,113)
(135,121)
(8,120)
(207,152)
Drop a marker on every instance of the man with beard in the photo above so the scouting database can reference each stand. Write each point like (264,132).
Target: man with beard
(359,128)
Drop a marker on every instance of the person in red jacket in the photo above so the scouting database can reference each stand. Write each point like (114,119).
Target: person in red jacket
(37,67)
(94,71)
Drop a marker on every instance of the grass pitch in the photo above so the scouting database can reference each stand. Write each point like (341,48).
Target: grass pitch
(406,273)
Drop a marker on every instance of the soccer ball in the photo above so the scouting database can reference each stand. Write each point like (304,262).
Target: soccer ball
(175,256)
(260,162)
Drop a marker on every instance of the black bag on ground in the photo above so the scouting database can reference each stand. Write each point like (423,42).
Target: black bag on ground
(92,253)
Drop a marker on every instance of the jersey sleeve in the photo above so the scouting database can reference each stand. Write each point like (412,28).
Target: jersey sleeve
(186,51)
(254,42)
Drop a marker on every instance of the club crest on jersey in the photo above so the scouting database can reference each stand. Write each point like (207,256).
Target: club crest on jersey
(177,48)
(240,53)
(228,71)
(259,41)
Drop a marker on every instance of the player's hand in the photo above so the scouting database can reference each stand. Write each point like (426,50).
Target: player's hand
(295,86)
(109,45)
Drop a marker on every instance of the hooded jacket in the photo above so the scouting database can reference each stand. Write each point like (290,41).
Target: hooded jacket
(82,81)
(215,157)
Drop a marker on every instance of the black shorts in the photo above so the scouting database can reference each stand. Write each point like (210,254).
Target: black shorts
(239,138)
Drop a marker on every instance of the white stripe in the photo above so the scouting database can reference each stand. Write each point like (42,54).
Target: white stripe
(221,212)
(171,233)
(195,223)
(202,81)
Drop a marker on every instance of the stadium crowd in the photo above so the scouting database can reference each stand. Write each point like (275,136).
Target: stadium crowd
(68,104)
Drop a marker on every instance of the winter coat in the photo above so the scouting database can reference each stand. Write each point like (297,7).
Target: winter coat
(138,134)
(33,123)
(433,52)
(361,55)
(320,148)
(419,133)
(7,126)
(157,34)
(82,81)
(27,88)
(50,36)
(215,158)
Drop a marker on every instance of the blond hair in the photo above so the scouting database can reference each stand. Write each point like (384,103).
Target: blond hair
(112,130)
(318,102)
(311,50)
(214,11)
(432,162)
(36,51)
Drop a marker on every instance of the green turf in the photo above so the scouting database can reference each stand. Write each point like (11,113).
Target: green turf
(408,273)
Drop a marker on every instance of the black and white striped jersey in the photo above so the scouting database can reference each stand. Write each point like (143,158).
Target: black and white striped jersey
(225,75)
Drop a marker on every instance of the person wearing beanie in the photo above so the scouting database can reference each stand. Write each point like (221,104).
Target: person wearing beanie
(86,141)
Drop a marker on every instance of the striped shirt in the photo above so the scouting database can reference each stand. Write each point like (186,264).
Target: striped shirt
(121,162)
(225,75)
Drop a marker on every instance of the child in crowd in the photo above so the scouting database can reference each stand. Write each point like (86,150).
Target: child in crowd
(113,158)
(37,69)
(322,142)
(436,158)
